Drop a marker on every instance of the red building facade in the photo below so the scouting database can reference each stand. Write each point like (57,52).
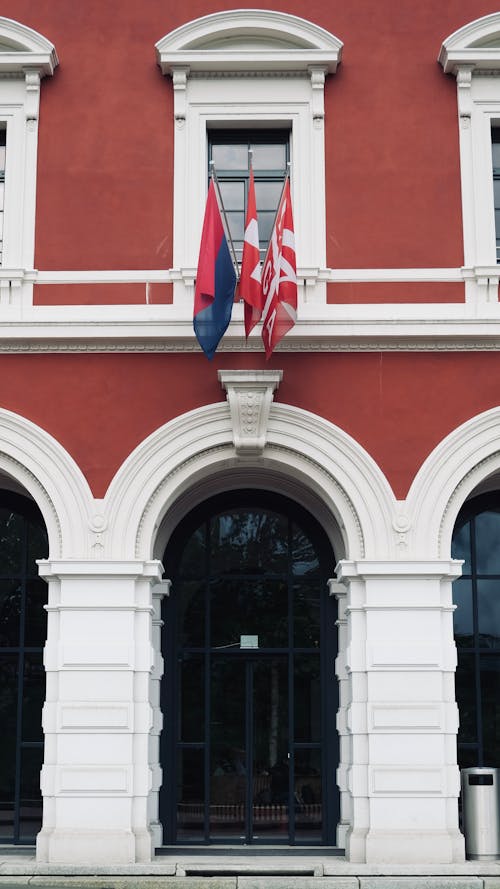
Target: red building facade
(371,434)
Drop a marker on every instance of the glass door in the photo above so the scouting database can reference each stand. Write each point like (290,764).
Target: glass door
(249,631)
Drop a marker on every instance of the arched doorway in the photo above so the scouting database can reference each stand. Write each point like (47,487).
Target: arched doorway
(476,540)
(23,594)
(249,747)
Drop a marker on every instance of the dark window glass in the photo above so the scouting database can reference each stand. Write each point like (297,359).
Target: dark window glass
(229,150)
(249,685)
(23,595)
(477,631)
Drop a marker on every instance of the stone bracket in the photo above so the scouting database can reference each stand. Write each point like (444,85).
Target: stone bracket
(250,394)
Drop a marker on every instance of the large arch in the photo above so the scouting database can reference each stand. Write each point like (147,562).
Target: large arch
(37,463)
(464,460)
(305,456)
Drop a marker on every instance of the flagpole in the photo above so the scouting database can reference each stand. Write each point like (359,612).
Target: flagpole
(287,177)
(226,224)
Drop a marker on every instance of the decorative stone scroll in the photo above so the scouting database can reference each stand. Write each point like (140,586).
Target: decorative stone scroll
(250,393)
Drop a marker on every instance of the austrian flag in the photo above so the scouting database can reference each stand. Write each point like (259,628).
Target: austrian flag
(279,276)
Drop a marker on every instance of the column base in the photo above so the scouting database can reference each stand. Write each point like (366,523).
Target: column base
(91,847)
(414,847)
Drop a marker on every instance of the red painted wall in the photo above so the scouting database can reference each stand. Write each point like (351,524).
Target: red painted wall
(106,133)
(398,406)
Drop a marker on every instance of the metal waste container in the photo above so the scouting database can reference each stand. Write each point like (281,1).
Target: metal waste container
(481,813)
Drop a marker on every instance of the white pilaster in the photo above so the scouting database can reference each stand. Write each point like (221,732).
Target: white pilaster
(399,712)
(155,827)
(98,716)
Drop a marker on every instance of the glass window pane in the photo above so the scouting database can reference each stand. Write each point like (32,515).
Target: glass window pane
(308,795)
(304,557)
(490,699)
(8,717)
(33,697)
(307,698)
(269,157)
(230,157)
(236,223)
(11,542)
(191,615)
(30,804)
(267,195)
(460,546)
(35,627)
(10,606)
(192,699)
(37,547)
(249,608)
(488,542)
(488,600)
(496,191)
(266,221)
(228,771)
(233,195)
(190,794)
(465,687)
(307,616)
(462,617)
(193,560)
(250,542)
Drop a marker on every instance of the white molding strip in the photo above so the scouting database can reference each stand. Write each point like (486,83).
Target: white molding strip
(144,276)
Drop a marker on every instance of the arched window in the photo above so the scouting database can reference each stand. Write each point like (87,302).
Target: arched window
(23,594)
(476,539)
(249,749)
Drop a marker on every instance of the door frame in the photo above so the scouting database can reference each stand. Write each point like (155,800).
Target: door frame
(329,743)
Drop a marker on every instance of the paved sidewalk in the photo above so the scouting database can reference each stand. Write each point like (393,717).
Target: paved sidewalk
(242,869)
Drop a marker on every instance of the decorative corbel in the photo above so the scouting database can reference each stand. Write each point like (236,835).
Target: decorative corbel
(317,74)
(180,79)
(464,85)
(250,394)
(32,100)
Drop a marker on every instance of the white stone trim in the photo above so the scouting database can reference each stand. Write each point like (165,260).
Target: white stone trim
(251,40)
(248,67)
(49,474)
(472,54)
(466,458)
(196,450)
(25,57)
(249,394)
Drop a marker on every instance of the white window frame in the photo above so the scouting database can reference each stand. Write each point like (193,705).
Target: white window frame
(25,57)
(472,54)
(239,69)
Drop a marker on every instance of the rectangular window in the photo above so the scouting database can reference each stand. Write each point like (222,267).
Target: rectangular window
(230,151)
(495,151)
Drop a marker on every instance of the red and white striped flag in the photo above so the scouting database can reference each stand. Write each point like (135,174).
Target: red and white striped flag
(250,288)
(279,277)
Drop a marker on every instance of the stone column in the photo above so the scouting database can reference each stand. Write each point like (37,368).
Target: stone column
(159,591)
(401,714)
(97,719)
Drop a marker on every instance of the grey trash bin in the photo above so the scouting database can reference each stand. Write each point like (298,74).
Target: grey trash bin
(481,813)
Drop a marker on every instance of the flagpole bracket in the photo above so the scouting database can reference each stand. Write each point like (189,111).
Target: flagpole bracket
(250,394)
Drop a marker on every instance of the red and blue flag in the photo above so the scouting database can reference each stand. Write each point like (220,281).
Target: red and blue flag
(215,280)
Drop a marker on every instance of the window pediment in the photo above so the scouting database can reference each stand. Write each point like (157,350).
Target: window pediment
(22,48)
(249,39)
(476,45)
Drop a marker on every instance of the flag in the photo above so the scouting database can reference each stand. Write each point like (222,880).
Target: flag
(215,280)
(250,289)
(279,276)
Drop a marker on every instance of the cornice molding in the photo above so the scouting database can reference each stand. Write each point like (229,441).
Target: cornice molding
(476,45)
(22,49)
(255,40)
